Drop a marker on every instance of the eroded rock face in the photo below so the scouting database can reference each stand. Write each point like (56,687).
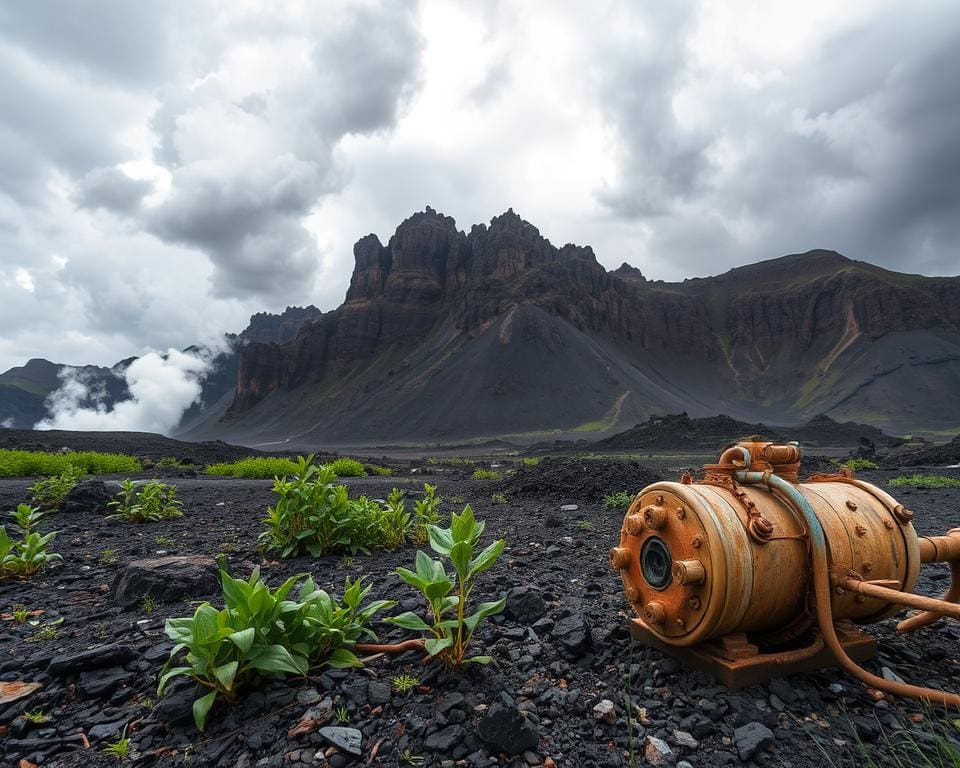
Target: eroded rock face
(166,579)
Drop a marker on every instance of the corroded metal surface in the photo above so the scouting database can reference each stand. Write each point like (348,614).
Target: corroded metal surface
(749,556)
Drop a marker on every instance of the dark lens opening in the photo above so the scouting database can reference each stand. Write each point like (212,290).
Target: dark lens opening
(656,562)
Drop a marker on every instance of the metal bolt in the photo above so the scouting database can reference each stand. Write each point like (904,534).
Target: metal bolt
(851,505)
(888,524)
(681,624)
(861,530)
(687,572)
(633,594)
(660,500)
(681,513)
(838,589)
(655,517)
(867,567)
(861,598)
(634,524)
(697,542)
(655,612)
(619,558)
(694,603)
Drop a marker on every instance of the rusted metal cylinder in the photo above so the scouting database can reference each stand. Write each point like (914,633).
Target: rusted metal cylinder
(718,558)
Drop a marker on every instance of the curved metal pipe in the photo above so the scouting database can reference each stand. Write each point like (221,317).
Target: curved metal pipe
(727,457)
(927,618)
(821,587)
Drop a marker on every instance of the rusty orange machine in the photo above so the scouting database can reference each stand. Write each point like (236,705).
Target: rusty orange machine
(750,574)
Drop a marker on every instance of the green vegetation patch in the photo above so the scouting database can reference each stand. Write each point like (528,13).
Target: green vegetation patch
(253,466)
(618,500)
(15,463)
(485,474)
(925,481)
(347,468)
(857,464)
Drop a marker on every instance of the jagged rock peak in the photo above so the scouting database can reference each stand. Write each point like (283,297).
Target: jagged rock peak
(629,273)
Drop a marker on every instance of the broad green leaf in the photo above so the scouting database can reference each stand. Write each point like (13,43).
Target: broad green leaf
(412,579)
(341,658)
(462,525)
(486,558)
(226,673)
(434,645)
(484,610)
(275,659)
(201,708)
(171,673)
(460,555)
(438,589)
(243,639)
(409,620)
(440,539)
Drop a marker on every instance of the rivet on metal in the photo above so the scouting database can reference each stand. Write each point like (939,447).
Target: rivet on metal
(655,517)
(660,500)
(697,542)
(655,612)
(694,603)
(681,513)
(861,598)
(681,624)
(851,505)
(619,558)
(861,530)
(867,567)
(634,525)
(633,594)
(888,524)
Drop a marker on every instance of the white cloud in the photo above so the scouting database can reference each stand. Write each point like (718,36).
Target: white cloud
(162,386)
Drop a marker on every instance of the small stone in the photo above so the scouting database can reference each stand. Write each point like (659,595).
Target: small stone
(569,507)
(88,497)
(308,696)
(347,739)
(92,658)
(835,688)
(505,729)
(97,682)
(567,541)
(16,690)
(751,738)
(444,739)
(573,634)
(605,711)
(379,692)
(658,752)
(167,579)
(889,674)
(525,605)
(684,739)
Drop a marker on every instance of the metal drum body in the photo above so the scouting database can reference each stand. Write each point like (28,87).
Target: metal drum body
(701,561)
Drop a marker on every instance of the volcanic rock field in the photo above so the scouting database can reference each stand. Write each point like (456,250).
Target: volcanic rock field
(565,677)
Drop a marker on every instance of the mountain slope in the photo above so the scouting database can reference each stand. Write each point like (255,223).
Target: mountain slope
(448,335)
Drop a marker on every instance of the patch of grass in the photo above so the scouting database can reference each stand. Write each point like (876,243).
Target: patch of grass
(409,757)
(404,682)
(264,468)
(145,503)
(20,614)
(342,714)
(148,605)
(120,748)
(857,464)
(373,469)
(347,468)
(618,500)
(584,525)
(164,541)
(49,631)
(498,498)
(14,463)
(35,716)
(50,492)
(108,556)
(485,474)
(530,462)
(170,462)
(451,461)
(925,481)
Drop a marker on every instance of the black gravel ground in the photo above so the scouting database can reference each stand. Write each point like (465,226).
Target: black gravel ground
(561,648)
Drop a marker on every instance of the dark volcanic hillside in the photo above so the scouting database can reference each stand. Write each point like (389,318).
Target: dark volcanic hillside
(448,335)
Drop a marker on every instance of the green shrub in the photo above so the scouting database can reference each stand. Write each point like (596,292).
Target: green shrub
(347,468)
(145,503)
(530,462)
(49,493)
(260,467)
(313,515)
(20,559)
(451,461)
(925,481)
(373,469)
(485,474)
(14,463)
(856,464)
(396,522)
(452,630)
(260,633)
(617,500)
(498,498)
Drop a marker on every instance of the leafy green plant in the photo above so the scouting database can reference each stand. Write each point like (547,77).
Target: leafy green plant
(108,556)
(20,614)
(35,716)
(49,493)
(22,559)
(16,463)
(925,481)
(584,525)
(395,520)
(373,469)
(341,714)
(164,541)
(530,462)
(452,629)
(49,631)
(260,632)
(404,682)
(409,757)
(170,462)
(485,474)
(498,498)
(261,467)
(347,468)
(145,503)
(120,748)
(451,461)
(426,511)
(148,605)
(617,500)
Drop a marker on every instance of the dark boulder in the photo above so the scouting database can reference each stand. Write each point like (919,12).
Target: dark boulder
(505,729)
(166,579)
(89,497)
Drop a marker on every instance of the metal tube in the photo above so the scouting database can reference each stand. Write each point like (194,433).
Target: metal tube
(927,618)
(821,586)
(902,598)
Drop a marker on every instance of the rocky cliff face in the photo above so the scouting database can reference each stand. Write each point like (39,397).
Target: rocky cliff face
(432,289)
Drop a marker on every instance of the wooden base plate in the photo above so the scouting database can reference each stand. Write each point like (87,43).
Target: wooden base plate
(759,667)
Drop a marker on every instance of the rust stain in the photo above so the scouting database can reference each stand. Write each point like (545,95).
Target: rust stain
(16,690)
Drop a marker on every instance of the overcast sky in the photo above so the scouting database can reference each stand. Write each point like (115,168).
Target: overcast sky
(169,168)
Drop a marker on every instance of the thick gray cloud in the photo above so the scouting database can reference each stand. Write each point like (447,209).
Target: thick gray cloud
(166,169)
